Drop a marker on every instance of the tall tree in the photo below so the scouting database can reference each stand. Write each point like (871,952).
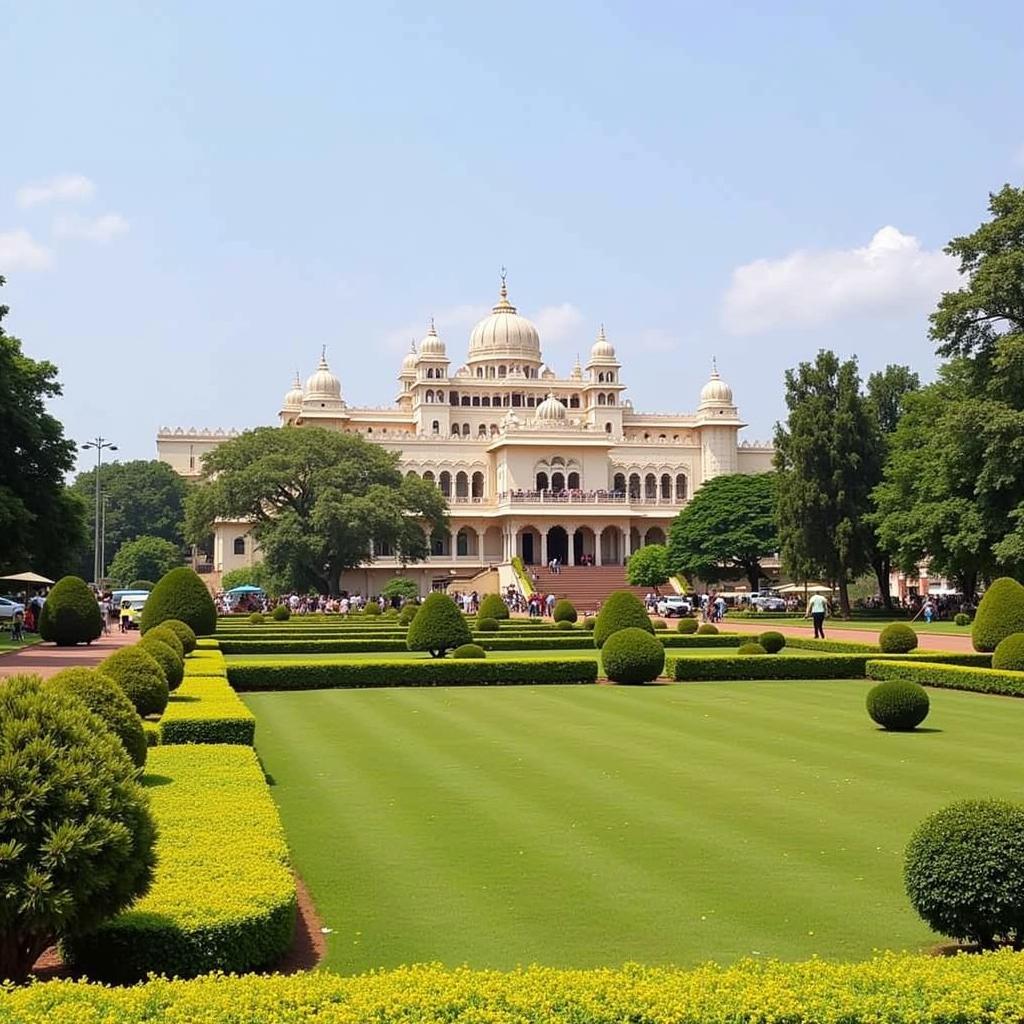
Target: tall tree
(648,566)
(728,526)
(320,502)
(827,458)
(145,558)
(42,524)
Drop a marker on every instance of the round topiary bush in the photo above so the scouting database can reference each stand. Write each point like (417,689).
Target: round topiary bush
(180,594)
(564,624)
(141,585)
(469,651)
(183,632)
(659,623)
(492,607)
(687,624)
(281,613)
(622,610)
(707,629)
(1000,614)
(897,638)
(751,647)
(407,614)
(898,705)
(632,655)
(105,699)
(438,627)
(372,608)
(166,635)
(172,664)
(964,872)
(1009,654)
(772,641)
(487,625)
(256,618)
(76,826)
(590,622)
(139,674)
(961,619)
(564,611)
(71,614)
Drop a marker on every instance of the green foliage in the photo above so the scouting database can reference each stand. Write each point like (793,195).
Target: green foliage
(402,587)
(564,611)
(898,705)
(659,624)
(146,557)
(181,594)
(438,626)
(141,585)
(631,655)
(964,871)
(1000,614)
(487,625)
(141,677)
(319,501)
(687,624)
(961,619)
(371,608)
(167,658)
(492,607)
(256,618)
(71,614)
(469,651)
(564,624)
(648,566)
(281,613)
(751,647)
(205,709)
(729,524)
(104,698)
(224,899)
(772,641)
(183,632)
(589,622)
(897,638)
(622,610)
(1009,653)
(408,613)
(249,576)
(76,831)
(707,629)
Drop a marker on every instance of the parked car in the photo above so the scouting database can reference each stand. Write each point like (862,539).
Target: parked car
(674,605)
(134,605)
(8,608)
(764,602)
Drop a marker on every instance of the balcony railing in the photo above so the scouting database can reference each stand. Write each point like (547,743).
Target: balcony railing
(584,498)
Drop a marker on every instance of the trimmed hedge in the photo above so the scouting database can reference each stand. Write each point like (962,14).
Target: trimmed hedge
(139,674)
(772,641)
(469,651)
(622,610)
(206,710)
(224,895)
(632,656)
(487,625)
(1009,653)
(897,705)
(183,631)
(750,648)
(929,672)
(707,629)
(804,643)
(1000,614)
(281,613)
(687,624)
(492,607)
(324,675)
(180,594)
(71,614)
(439,626)
(168,636)
(564,611)
(897,638)
(172,664)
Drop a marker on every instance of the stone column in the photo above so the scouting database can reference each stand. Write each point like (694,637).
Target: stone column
(543,546)
(480,543)
(571,531)
(624,551)
(597,545)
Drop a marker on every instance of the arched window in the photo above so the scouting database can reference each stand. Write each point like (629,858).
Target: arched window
(573,482)
(428,396)
(494,429)
(411,472)
(382,549)
(453,398)
(650,486)
(490,371)
(502,371)
(530,401)
(435,427)
(610,377)
(446,483)
(607,428)
(239,545)
(558,481)
(680,487)
(465,430)
(428,477)
(574,402)
(481,431)
(478,485)
(465,399)
(600,378)
(542,481)
(479,371)
(619,483)
(486,400)
(666,487)
(600,398)
(634,485)
(611,398)
(462,542)
(455,430)
(476,400)
(461,485)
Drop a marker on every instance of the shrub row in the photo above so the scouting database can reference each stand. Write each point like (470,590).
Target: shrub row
(930,672)
(205,709)
(322,675)
(805,643)
(895,988)
(224,896)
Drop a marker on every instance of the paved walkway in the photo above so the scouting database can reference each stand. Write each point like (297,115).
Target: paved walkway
(926,641)
(46,659)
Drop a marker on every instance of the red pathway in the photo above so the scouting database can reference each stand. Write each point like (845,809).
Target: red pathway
(46,659)
(926,641)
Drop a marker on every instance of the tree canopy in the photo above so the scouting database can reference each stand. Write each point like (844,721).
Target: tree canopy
(321,502)
(145,558)
(728,525)
(648,566)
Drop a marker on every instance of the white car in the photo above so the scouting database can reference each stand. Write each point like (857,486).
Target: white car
(674,604)
(767,603)
(8,608)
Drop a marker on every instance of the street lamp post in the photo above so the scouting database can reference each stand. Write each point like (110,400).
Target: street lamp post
(103,539)
(99,443)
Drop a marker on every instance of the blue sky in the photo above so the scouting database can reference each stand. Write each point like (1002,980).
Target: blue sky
(194,199)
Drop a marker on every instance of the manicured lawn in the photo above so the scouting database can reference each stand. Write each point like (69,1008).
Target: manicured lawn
(6,645)
(920,626)
(580,826)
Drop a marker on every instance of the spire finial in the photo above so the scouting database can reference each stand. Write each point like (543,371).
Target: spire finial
(297,383)
(504,287)
(412,346)
(714,366)
(323,358)
(433,329)
(600,333)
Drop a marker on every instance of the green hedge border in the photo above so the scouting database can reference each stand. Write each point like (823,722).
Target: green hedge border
(775,666)
(205,709)
(949,677)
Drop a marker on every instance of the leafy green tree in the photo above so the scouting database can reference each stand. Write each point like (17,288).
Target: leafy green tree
(648,566)
(42,524)
(401,587)
(146,558)
(827,459)
(728,526)
(318,499)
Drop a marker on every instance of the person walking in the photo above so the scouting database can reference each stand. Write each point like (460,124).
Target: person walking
(817,606)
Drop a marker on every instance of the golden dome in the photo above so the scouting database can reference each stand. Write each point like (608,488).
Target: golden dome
(504,334)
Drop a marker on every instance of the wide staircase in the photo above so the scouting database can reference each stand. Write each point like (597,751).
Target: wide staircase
(587,586)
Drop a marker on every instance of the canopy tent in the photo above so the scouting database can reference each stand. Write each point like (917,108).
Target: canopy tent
(804,588)
(28,577)
(246,588)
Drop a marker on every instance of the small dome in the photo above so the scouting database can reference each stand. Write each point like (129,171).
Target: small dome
(323,385)
(602,349)
(293,400)
(432,345)
(550,409)
(716,391)
(504,334)
(409,362)
(577,370)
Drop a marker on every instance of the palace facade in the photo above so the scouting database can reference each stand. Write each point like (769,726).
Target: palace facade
(532,463)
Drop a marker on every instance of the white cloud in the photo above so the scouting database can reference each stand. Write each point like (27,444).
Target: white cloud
(62,189)
(657,341)
(892,273)
(556,324)
(94,229)
(20,251)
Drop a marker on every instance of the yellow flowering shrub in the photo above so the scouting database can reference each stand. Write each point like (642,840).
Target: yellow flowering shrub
(204,709)
(892,989)
(224,895)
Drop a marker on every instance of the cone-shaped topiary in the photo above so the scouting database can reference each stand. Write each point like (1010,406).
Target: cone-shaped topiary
(469,651)
(999,615)
(590,622)
(751,647)
(632,655)
(772,641)
(76,829)
(687,624)
(71,614)
(407,614)
(487,625)
(564,611)
(1009,654)
(104,698)
(492,607)
(184,633)
(898,705)
(897,638)
(172,664)
(139,674)
(622,610)
(281,613)
(180,594)
(168,636)
(372,608)
(438,627)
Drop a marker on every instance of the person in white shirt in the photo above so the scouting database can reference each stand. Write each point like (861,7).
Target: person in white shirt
(817,607)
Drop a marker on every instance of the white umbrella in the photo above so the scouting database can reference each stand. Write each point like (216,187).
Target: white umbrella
(804,588)
(28,577)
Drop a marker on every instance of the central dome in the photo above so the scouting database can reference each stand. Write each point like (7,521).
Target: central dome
(505,335)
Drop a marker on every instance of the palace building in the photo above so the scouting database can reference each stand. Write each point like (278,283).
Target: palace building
(533,463)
